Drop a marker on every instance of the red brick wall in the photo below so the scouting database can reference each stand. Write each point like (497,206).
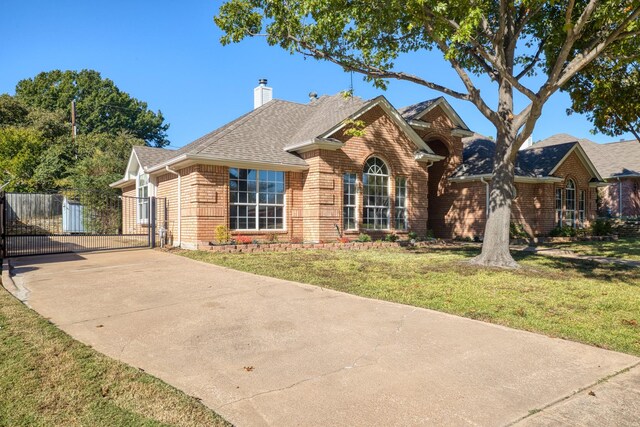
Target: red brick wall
(323,185)
(533,206)
(610,201)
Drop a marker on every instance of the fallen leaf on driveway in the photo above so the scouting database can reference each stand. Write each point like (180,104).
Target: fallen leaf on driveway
(248,368)
(591,393)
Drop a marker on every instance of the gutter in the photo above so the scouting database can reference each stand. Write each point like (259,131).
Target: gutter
(179,204)
(521,179)
(211,160)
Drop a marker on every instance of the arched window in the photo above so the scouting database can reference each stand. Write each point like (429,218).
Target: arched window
(375,183)
(570,200)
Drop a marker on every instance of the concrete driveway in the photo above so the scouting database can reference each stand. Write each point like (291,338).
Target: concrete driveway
(263,351)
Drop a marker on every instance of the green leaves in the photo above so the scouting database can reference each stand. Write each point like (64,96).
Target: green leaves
(100,106)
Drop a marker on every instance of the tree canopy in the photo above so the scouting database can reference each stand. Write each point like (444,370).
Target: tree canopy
(507,41)
(608,92)
(100,106)
(37,151)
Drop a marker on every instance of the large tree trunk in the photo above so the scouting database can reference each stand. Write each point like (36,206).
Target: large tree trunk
(495,246)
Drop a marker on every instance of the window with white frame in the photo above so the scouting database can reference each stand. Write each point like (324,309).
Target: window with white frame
(570,203)
(349,220)
(559,207)
(142,191)
(401,222)
(582,204)
(256,199)
(375,183)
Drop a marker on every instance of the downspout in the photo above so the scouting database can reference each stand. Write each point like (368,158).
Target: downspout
(488,196)
(619,198)
(179,203)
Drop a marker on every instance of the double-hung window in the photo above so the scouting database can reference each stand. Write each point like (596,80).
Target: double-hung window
(142,190)
(375,183)
(349,220)
(401,222)
(582,204)
(570,201)
(559,207)
(256,199)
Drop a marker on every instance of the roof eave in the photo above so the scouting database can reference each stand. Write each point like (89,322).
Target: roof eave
(391,112)
(427,157)
(121,183)
(315,144)
(517,178)
(190,159)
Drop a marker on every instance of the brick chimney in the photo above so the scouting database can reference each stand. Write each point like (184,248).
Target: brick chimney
(261,94)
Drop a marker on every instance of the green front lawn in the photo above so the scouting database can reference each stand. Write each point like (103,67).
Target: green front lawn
(49,379)
(626,248)
(573,299)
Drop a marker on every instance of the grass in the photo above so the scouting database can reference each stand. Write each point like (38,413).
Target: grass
(627,248)
(574,299)
(47,378)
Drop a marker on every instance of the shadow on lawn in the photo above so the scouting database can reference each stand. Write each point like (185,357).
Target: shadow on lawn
(561,267)
(545,266)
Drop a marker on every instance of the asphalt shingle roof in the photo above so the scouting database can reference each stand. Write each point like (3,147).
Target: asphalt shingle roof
(611,159)
(412,111)
(149,156)
(534,162)
(263,134)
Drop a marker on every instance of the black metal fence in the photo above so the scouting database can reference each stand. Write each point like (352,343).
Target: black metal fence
(72,221)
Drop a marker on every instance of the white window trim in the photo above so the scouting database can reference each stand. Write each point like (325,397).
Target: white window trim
(574,211)
(257,204)
(354,206)
(582,207)
(388,208)
(139,202)
(405,206)
(559,212)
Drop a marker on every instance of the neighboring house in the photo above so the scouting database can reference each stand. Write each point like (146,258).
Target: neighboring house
(309,172)
(555,186)
(619,165)
(342,166)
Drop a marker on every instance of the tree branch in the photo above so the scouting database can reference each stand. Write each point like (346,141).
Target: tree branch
(350,63)
(533,62)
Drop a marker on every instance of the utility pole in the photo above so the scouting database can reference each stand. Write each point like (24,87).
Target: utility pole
(73,126)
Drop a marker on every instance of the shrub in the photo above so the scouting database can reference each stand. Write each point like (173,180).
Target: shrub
(413,235)
(601,227)
(564,231)
(391,237)
(243,240)
(364,238)
(430,235)
(516,231)
(222,235)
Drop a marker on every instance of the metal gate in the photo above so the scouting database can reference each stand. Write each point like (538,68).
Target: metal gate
(71,221)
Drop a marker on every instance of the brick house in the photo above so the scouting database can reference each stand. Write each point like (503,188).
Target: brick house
(344,166)
(619,165)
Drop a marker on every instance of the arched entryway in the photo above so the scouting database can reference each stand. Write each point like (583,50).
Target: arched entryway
(438,203)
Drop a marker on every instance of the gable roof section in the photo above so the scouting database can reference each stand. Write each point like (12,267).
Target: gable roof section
(538,162)
(424,152)
(612,160)
(415,112)
(273,134)
(149,156)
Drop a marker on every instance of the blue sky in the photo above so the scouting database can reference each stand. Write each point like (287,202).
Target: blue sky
(167,53)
